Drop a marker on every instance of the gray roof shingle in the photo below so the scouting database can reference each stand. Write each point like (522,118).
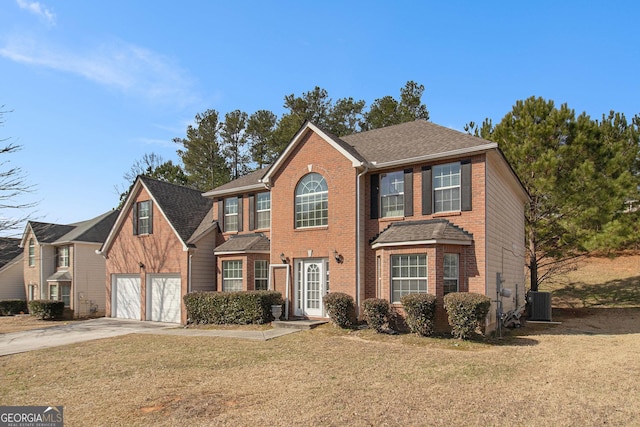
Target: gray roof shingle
(184,207)
(94,230)
(9,250)
(255,242)
(252,178)
(410,140)
(423,230)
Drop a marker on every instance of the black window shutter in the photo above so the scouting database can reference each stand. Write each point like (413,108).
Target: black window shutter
(150,217)
(239,213)
(134,218)
(465,185)
(221,214)
(427,197)
(252,211)
(408,192)
(375,191)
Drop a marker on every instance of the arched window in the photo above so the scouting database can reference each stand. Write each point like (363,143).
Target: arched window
(312,208)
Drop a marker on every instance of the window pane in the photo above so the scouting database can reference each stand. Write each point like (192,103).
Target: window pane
(408,275)
(65,291)
(446,187)
(312,207)
(231,214)
(392,194)
(144,217)
(53,292)
(261,271)
(232,276)
(451,273)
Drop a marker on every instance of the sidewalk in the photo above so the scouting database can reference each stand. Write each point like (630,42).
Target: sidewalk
(225,333)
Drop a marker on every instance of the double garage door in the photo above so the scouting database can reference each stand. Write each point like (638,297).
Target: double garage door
(163,297)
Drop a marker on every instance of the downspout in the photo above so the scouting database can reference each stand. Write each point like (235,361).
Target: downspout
(358,236)
(189,273)
(42,287)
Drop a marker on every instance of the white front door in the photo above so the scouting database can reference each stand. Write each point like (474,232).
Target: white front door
(311,287)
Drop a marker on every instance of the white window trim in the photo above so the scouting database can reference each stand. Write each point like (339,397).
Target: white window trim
(457,277)
(383,195)
(225,279)
(259,211)
(391,277)
(227,216)
(303,196)
(449,187)
(144,219)
(264,279)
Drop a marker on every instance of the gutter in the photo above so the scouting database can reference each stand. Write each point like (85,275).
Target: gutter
(438,156)
(234,190)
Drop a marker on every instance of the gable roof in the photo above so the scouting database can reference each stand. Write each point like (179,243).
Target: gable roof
(94,230)
(184,209)
(430,231)
(9,250)
(245,243)
(412,142)
(248,182)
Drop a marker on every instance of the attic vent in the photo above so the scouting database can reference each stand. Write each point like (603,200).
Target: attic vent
(540,303)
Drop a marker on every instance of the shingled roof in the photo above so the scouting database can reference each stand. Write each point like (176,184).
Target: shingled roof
(184,207)
(9,250)
(412,140)
(243,243)
(250,180)
(430,230)
(94,230)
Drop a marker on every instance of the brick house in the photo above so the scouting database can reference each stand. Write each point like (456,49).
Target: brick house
(60,263)
(414,207)
(159,248)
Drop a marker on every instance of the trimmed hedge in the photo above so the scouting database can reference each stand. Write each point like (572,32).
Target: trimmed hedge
(376,313)
(466,312)
(46,309)
(240,308)
(341,309)
(420,310)
(9,307)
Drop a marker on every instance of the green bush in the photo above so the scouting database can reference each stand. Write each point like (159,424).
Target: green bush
(9,307)
(376,313)
(240,308)
(420,310)
(46,309)
(466,312)
(341,308)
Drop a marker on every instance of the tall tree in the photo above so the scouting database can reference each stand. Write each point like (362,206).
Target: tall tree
(576,181)
(13,186)
(153,166)
(387,111)
(260,131)
(201,155)
(234,141)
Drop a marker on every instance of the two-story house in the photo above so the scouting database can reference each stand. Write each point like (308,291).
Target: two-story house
(60,263)
(414,207)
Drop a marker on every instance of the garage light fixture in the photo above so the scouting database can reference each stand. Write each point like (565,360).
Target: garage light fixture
(140,264)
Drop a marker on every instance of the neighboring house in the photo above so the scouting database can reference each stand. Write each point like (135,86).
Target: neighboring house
(159,249)
(60,263)
(11,269)
(414,207)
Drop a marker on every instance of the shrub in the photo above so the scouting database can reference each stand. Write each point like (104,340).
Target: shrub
(9,307)
(420,312)
(376,313)
(46,309)
(341,308)
(238,308)
(466,312)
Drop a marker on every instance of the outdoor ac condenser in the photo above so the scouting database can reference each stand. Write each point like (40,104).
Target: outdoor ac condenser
(540,304)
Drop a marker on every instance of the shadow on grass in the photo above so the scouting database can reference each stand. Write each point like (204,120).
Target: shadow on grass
(614,293)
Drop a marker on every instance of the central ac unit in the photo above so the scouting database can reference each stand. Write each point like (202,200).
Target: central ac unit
(540,304)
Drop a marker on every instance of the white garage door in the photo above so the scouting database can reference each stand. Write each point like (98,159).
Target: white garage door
(164,304)
(126,297)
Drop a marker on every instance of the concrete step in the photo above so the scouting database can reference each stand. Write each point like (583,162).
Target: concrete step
(302,324)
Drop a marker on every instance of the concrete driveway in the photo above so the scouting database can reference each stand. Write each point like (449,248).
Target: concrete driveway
(73,332)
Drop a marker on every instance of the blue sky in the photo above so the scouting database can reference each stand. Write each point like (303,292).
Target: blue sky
(93,86)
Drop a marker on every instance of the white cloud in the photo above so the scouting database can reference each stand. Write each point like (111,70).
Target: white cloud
(38,9)
(130,69)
